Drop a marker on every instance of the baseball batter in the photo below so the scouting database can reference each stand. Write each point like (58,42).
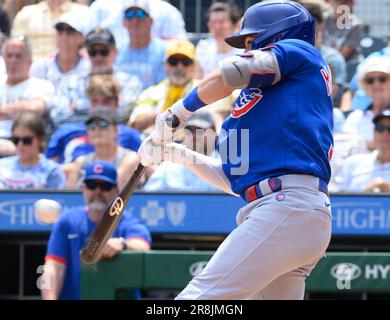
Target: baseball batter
(286,105)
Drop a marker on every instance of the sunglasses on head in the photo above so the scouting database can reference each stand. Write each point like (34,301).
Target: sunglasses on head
(131,14)
(380,79)
(103,52)
(104,186)
(174,61)
(25,140)
(97,123)
(64,28)
(382,128)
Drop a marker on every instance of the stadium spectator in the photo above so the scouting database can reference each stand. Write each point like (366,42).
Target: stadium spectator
(223,20)
(168,22)
(20,92)
(70,141)
(333,57)
(343,30)
(29,168)
(355,98)
(67,60)
(102,51)
(36,22)
(180,67)
(3,73)
(370,172)
(102,133)
(374,79)
(62,261)
(144,55)
(200,136)
(4,21)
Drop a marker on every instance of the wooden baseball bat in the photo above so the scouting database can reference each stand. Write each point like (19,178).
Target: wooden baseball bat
(103,231)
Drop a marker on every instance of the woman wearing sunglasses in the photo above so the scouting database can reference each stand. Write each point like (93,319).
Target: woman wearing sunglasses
(374,79)
(29,169)
(102,133)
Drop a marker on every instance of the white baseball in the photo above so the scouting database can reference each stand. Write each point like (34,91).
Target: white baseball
(47,211)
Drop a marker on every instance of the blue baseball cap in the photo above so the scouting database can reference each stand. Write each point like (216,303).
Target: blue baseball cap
(101,170)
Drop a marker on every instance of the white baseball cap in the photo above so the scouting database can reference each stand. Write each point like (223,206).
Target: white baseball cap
(142,4)
(79,19)
(374,64)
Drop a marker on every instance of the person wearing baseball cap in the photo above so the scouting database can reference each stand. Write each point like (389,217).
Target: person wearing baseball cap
(102,134)
(144,55)
(102,51)
(374,79)
(180,67)
(62,261)
(68,59)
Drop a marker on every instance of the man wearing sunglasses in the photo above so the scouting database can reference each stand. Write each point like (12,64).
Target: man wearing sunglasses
(374,79)
(102,51)
(144,55)
(67,60)
(180,67)
(62,266)
(168,22)
(36,22)
(370,172)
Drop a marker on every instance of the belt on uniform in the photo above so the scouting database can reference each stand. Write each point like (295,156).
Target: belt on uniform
(276,184)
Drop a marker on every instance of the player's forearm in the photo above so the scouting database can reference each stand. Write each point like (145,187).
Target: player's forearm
(53,279)
(208,169)
(212,88)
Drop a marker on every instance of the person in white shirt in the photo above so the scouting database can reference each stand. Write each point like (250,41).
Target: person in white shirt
(223,20)
(20,92)
(68,60)
(374,78)
(370,172)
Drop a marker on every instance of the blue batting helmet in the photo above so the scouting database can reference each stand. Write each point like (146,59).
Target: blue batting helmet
(272,21)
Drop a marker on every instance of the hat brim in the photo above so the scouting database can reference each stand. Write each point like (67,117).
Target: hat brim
(236,40)
(102,178)
(383,114)
(97,41)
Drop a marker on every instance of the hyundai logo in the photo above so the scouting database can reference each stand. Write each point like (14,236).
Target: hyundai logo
(345,271)
(197,267)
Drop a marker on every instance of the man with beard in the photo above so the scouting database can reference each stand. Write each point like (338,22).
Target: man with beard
(61,278)
(180,67)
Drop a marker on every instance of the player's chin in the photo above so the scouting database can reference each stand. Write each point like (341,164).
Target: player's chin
(98,204)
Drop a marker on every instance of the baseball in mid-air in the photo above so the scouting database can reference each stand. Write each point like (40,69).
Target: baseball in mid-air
(47,210)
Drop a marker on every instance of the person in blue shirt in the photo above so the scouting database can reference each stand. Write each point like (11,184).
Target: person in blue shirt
(275,149)
(144,56)
(29,168)
(62,261)
(69,141)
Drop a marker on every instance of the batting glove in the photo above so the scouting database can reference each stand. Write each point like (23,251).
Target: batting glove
(152,153)
(163,131)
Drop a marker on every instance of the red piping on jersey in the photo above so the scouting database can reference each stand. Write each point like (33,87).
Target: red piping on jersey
(55,258)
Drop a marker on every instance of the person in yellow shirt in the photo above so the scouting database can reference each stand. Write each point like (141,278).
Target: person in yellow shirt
(180,67)
(36,22)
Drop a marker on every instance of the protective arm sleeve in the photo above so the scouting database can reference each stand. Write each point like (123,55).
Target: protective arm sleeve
(256,69)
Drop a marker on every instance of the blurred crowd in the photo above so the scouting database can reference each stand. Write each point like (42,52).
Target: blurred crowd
(83,81)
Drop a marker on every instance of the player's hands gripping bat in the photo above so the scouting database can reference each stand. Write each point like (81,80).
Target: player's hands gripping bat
(96,242)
